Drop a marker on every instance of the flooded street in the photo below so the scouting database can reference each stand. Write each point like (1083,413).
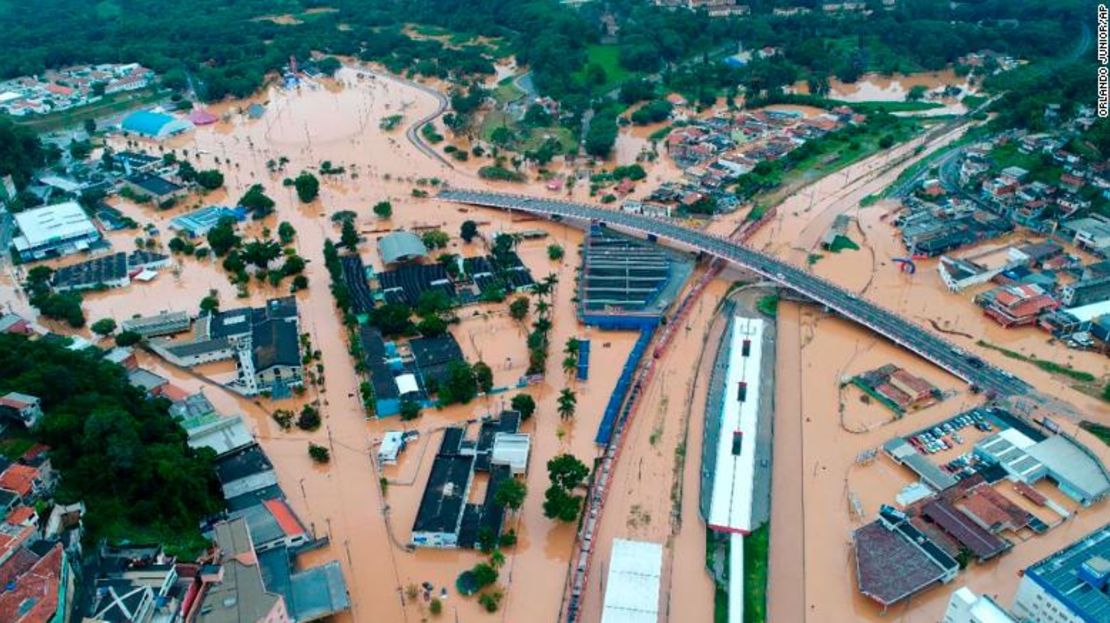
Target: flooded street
(819,432)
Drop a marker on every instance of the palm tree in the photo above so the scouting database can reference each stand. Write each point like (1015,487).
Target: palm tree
(542,307)
(571,347)
(541,289)
(567,402)
(570,364)
(497,559)
(551,280)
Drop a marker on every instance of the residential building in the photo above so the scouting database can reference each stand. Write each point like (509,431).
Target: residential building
(21,408)
(966,607)
(133,585)
(55,230)
(1070,586)
(165,323)
(41,586)
(1085,292)
(158,188)
(1016,305)
(1091,232)
(230,589)
(245,471)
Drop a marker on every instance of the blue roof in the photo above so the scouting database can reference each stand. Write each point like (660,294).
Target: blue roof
(147,122)
(1074,577)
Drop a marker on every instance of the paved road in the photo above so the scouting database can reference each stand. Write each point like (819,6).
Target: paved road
(412,133)
(929,345)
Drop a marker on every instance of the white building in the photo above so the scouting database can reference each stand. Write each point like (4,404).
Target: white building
(966,607)
(59,229)
(632,586)
(1069,586)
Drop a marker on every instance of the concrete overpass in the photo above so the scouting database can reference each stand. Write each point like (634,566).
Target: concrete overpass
(909,335)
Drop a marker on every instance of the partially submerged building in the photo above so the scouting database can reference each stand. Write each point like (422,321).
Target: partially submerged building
(264,342)
(53,231)
(895,561)
(1070,586)
(446,517)
(628,283)
(155,125)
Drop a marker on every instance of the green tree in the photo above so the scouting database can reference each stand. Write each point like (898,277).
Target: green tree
(104,326)
(484,574)
(554,252)
(319,454)
(309,419)
(256,201)
(348,236)
(209,304)
(308,187)
(435,238)
(210,179)
(286,232)
(460,386)
(468,231)
(383,209)
(510,494)
(222,238)
(566,471)
(261,252)
(410,410)
(561,505)
(518,309)
(483,376)
(567,402)
(525,404)
(328,65)
(128,338)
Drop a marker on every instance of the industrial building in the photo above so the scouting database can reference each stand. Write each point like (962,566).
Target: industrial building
(445,519)
(158,188)
(196,224)
(432,357)
(155,125)
(392,379)
(964,606)
(894,560)
(165,323)
(1070,586)
(632,584)
(401,246)
(627,283)
(1028,459)
(110,271)
(53,231)
(264,342)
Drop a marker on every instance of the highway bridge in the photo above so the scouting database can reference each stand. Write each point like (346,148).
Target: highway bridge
(967,366)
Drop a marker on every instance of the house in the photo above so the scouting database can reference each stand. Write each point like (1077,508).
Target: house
(21,408)
(1085,292)
(1091,232)
(42,586)
(245,471)
(273,524)
(26,481)
(134,585)
(158,188)
(13,323)
(1016,305)
(230,589)
(55,230)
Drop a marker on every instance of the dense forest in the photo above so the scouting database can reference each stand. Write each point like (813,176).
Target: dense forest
(117,450)
(225,48)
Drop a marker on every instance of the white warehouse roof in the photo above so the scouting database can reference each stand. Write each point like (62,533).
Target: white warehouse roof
(632,587)
(44,225)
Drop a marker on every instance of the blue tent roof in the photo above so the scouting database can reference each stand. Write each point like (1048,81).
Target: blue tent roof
(150,123)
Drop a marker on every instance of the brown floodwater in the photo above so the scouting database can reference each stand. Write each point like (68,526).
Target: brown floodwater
(814,451)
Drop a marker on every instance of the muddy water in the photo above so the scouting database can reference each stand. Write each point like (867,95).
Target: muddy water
(833,483)
(339,122)
(879,88)
(643,494)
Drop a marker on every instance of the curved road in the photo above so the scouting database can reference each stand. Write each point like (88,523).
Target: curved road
(932,347)
(412,133)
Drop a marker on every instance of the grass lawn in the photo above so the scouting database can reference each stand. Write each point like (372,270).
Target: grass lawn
(506,91)
(1098,430)
(1008,155)
(607,57)
(755,574)
(1044,364)
(892,107)
(526,138)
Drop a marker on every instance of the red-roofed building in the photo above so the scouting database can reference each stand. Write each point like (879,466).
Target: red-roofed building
(22,479)
(42,593)
(57,89)
(285,518)
(16,531)
(1014,306)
